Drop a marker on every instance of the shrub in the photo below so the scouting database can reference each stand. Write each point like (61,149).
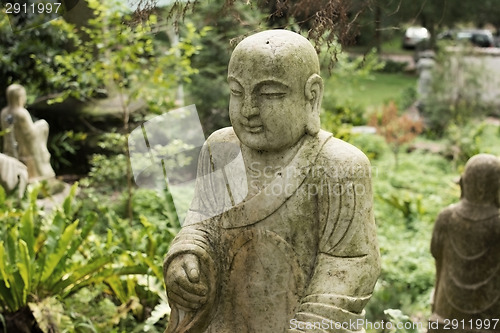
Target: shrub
(392,66)
(457,94)
(372,145)
(45,256)
(397,130)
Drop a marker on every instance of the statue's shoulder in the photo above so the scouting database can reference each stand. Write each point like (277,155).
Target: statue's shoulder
(337,151)
(223,146)
(446,216)
(223,135)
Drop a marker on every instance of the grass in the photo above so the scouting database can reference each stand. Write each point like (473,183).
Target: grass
(490,140)
(369,92)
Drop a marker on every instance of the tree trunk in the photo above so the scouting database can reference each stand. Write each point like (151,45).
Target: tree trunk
(378,29)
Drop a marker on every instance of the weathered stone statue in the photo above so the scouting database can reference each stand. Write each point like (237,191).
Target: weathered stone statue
(280,236)
(466,246)
(25,140)
(425,65)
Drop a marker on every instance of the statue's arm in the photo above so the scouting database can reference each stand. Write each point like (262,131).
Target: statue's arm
(24,118)
(191,280)
(347,263)
(189,269)
(199,233)
(438,231)
(436,249)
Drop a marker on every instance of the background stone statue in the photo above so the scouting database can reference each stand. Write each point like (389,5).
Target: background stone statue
(13,175)
(280,235)
(25,140)
(466,247)
(425,66)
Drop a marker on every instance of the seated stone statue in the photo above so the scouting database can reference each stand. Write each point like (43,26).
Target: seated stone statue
(285,240)
(25,140)
(466,247)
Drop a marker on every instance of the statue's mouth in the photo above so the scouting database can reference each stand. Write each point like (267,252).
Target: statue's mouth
(254,129)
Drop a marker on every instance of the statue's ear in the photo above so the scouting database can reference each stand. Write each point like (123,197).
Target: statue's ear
(314,95)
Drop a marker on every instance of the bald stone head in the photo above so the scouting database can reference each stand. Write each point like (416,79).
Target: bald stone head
(16,95)
(481,180)
(275,89)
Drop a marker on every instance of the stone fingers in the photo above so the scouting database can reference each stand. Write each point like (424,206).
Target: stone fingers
(184,299)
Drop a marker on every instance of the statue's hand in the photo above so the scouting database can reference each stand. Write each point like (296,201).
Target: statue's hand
(186,285)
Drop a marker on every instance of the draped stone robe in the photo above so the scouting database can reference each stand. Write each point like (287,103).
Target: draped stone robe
(27,142)
(300,255)
(466,246)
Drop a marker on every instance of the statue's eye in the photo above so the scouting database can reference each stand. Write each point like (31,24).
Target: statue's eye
(236,92)
(235,88)
(274,95)
(273,90)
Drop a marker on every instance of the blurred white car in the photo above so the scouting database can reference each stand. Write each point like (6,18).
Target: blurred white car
(415,35)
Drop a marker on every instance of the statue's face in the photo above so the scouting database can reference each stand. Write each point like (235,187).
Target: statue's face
(267,101)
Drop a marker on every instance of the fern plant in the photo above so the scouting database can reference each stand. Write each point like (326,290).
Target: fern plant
(55,255)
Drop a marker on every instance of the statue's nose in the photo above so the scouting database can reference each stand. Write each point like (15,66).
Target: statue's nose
(249,108)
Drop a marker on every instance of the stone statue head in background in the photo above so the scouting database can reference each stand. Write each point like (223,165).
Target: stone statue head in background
(466,246)
(16,96)
(480,182)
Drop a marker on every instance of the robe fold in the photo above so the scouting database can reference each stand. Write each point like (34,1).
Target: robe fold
(466,246)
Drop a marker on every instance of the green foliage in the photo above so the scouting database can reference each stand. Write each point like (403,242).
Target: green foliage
(45,258)
(373,146)
(407,98)
(23,52)
(108,168)
(332,122)
(63,144)
(392,66)
(352,68)
(371,91)
(347,113)
(406,205)
(154,226)
(110,55)
(41,257)
(146,238)
(107,171)
(409,205)
(209,91)
(397,318)
(339,115)
(464,142)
